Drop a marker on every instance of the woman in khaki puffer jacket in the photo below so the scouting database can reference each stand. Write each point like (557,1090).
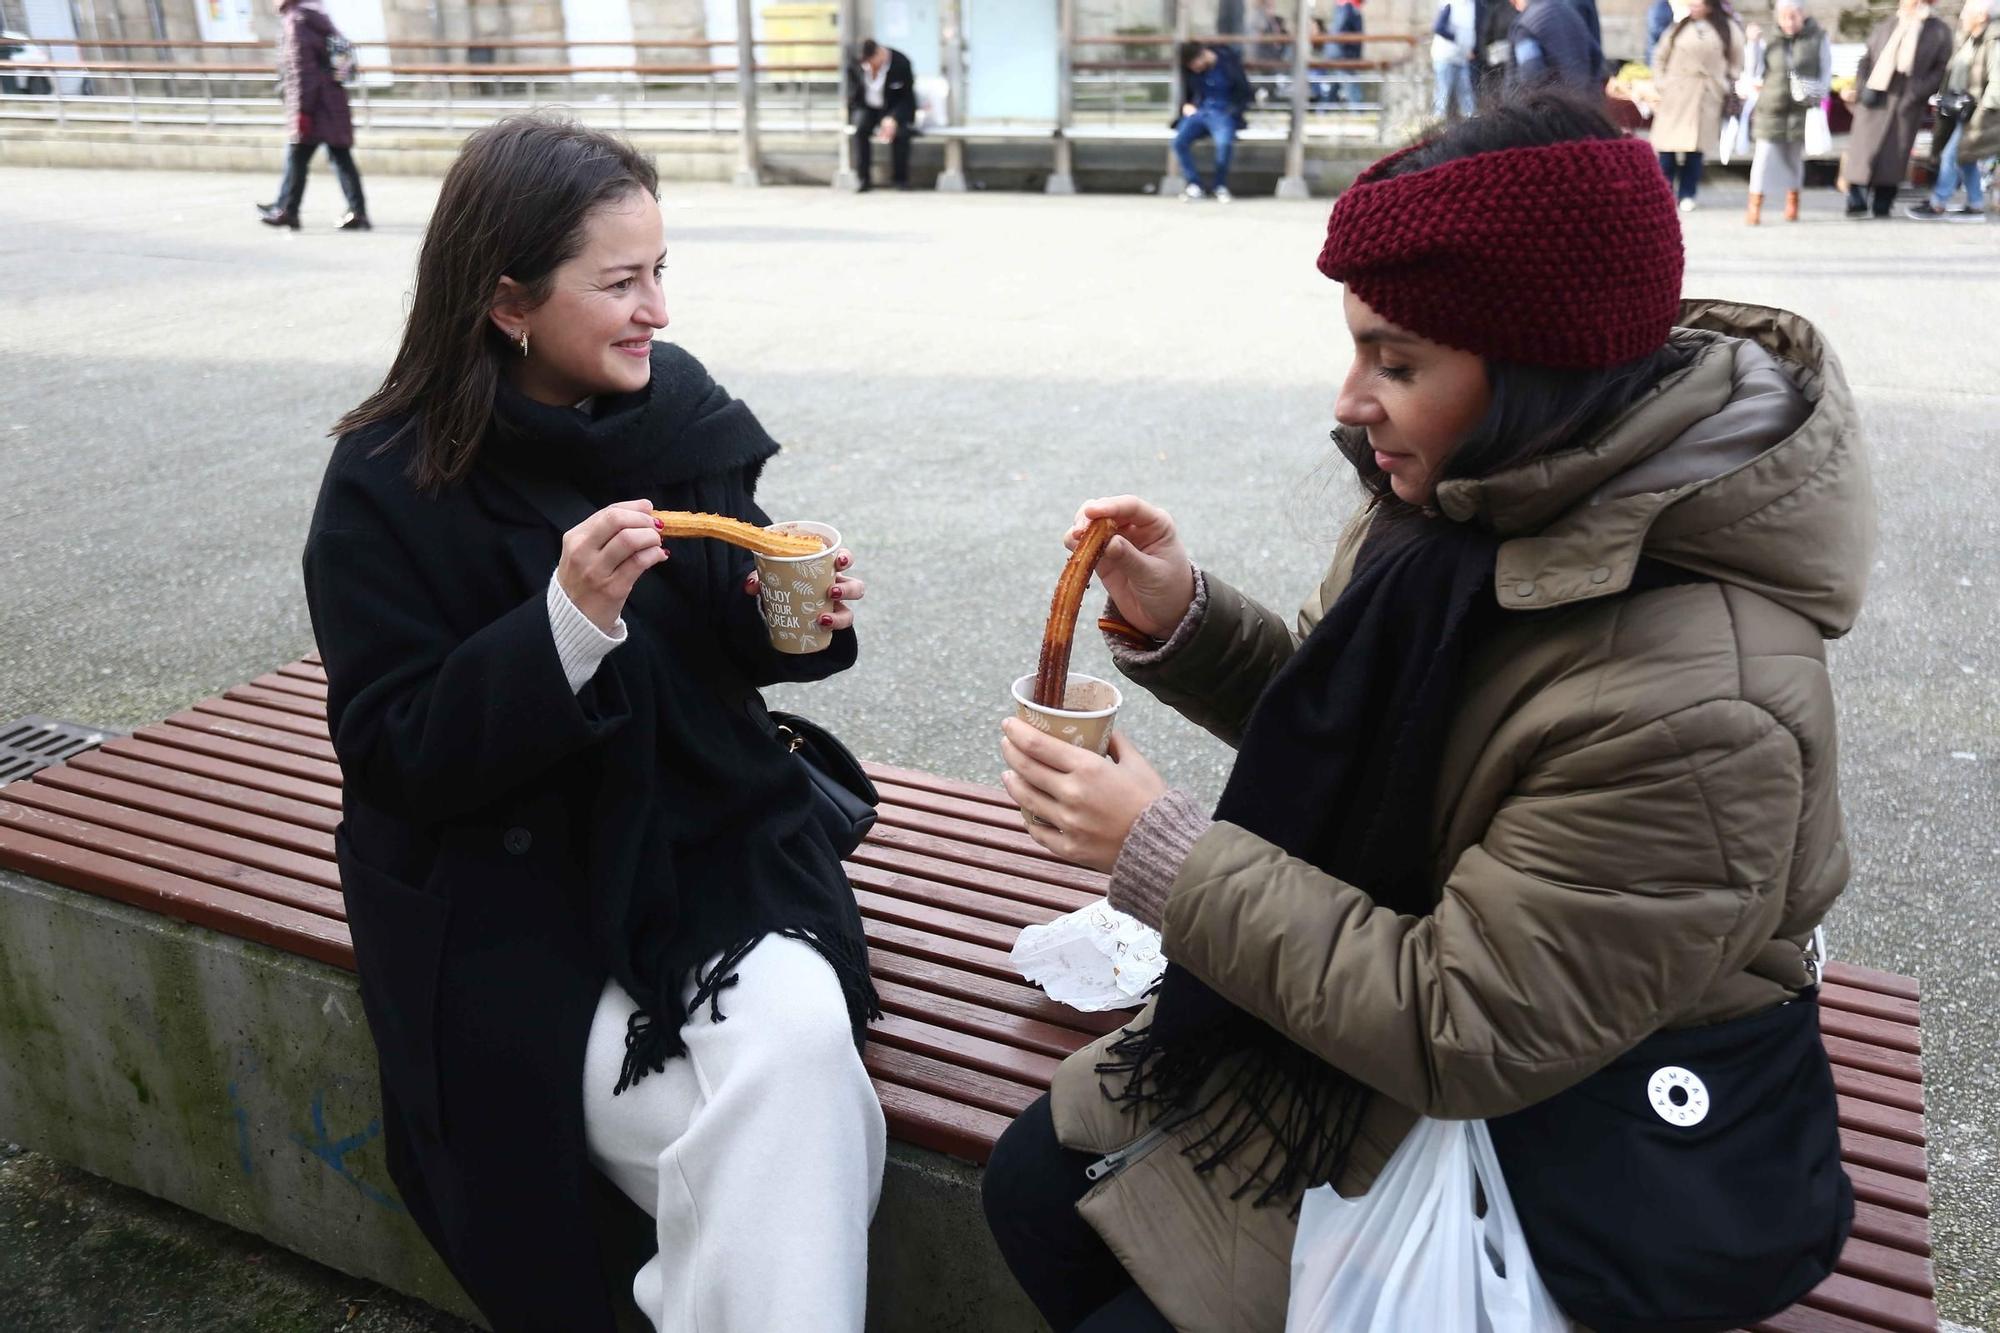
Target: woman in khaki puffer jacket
(1635,822)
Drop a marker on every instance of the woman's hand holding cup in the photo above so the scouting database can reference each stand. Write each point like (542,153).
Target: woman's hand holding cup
(1145,568)
(603,557)
(846,591)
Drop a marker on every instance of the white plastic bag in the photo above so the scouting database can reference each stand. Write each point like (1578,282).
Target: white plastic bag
(1413,1253)
(1819,136)
(1092,959)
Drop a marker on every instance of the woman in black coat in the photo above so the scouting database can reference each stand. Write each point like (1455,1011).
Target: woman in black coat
(316,112)
(601,933)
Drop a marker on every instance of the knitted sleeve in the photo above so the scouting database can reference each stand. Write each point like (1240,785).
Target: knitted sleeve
(1127,655)
(580,645)
(1160,841)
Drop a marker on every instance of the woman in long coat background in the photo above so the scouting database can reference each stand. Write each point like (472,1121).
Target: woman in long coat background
(1695,66)
(1899,74)
(316,113)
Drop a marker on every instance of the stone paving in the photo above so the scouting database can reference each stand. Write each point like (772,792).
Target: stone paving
(951,376)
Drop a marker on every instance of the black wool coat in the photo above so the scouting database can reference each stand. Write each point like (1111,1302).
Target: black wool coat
(471,777)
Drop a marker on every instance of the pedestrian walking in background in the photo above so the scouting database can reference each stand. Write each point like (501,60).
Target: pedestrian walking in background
(316,113)
(1899,74)
(1695,69)
(1553,45)
(1454,46)
(1540,780)
(1213,106)
(1658,19)
(1347,21)
(882,104)
(1790,72)
(1971,90)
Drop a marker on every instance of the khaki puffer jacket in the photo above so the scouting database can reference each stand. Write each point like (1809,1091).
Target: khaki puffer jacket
(1637,824)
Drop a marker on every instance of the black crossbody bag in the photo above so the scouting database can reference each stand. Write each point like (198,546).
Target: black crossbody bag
(1693,1184)
(844,799)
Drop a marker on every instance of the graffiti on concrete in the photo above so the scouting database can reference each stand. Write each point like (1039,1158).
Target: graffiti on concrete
(335,1152)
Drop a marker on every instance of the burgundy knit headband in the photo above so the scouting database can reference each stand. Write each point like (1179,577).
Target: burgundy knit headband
(1567,255)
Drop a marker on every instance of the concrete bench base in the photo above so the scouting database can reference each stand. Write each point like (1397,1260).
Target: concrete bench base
(239,1082)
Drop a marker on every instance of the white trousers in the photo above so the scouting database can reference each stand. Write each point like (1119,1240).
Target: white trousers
(759,1153)
(1776,168)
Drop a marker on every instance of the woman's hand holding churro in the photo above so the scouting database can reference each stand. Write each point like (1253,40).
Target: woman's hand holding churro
(1145,569)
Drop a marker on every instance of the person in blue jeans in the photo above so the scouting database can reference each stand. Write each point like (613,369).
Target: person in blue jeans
(1967,104)
(1212,107)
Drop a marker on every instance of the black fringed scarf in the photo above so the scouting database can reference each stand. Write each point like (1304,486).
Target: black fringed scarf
(694,827)
(1337,767)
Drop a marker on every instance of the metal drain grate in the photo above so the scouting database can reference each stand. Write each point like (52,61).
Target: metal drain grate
(34,743)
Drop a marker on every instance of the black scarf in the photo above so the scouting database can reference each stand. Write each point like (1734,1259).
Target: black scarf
(1337,767)
(694,827)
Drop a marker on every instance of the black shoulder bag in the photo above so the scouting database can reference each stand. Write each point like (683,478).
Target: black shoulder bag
(844,800)
(1693,1184)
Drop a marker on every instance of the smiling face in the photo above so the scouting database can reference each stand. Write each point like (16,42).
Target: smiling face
(1418,400)
(594,332)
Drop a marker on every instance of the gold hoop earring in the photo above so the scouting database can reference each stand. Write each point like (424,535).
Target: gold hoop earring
(524,342)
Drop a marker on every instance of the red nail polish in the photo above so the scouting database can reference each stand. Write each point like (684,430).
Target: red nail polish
(834,593)
(826,622)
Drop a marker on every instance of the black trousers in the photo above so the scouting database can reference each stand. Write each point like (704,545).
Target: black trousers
(1031,1187)
(299,157)
(1880,200)
(865,122)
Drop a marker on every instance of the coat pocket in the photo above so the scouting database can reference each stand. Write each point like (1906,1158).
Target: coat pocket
(399,935)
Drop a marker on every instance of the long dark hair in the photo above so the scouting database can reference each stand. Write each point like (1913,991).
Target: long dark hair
(513,205)
(1535,410)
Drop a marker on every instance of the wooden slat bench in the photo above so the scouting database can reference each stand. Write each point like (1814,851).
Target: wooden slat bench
(223,815)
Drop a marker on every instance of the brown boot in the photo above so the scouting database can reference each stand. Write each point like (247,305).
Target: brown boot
(1791,205)
(1756,213)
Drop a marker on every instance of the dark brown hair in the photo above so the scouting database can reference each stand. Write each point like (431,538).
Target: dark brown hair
(1535,410)
(514,205)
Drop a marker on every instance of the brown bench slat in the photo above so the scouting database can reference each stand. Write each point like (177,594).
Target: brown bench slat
(179,779)
(940,921)
(1903,1159)
(1014,840)
(931,782)
(920,943)
(1861,1054)
(977,812)
(965,1050)
(943,980)
(301,790)
(1805,1319)
(311,728)
(1004,914)
(1872,1004)
(220,743)
(980,892)
(1867,978)
(1884,1121)
(1873,1087)
(284,928)
(1887,1226)
(255,733)
(197,837)
(309,673)
(1884,1266)
(1028,1034)
(219,871)
(939,1123)
(1061,874)
(971,1086)
(279,683)
(188,809)
(1880,1307)
(1888,1190)
(279,701)
(1874,1031)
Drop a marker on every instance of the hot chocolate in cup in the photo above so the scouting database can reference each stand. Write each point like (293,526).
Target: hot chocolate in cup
(1089,708)
(792,590)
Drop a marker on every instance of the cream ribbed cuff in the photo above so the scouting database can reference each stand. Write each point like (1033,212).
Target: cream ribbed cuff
(1159,843)
(580,645)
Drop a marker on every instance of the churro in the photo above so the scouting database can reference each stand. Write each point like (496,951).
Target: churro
(1059,637)
(763,541)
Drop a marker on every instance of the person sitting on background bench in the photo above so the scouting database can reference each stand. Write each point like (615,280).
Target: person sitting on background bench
(1216,92)
(882,100)
(573,841)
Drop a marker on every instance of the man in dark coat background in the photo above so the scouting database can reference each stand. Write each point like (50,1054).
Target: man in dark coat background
(1551,43)
(882,99)
(316,113)
(1899,73)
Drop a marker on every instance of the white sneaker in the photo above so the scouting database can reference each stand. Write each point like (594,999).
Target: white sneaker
(1222,194)
(1193,192)
(1689,205)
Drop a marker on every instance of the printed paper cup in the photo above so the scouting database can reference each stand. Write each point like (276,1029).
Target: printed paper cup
(1090,707)
(792,590)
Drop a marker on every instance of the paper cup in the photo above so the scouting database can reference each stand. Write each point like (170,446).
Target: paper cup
(792,591)
(1091,706)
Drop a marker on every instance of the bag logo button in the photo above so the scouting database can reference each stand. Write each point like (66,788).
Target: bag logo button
(517,841)
(1678,1095)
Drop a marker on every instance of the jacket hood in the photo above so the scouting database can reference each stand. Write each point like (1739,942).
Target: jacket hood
(1745,466)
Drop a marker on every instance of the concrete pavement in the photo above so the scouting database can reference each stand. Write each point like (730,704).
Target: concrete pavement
(952,374)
